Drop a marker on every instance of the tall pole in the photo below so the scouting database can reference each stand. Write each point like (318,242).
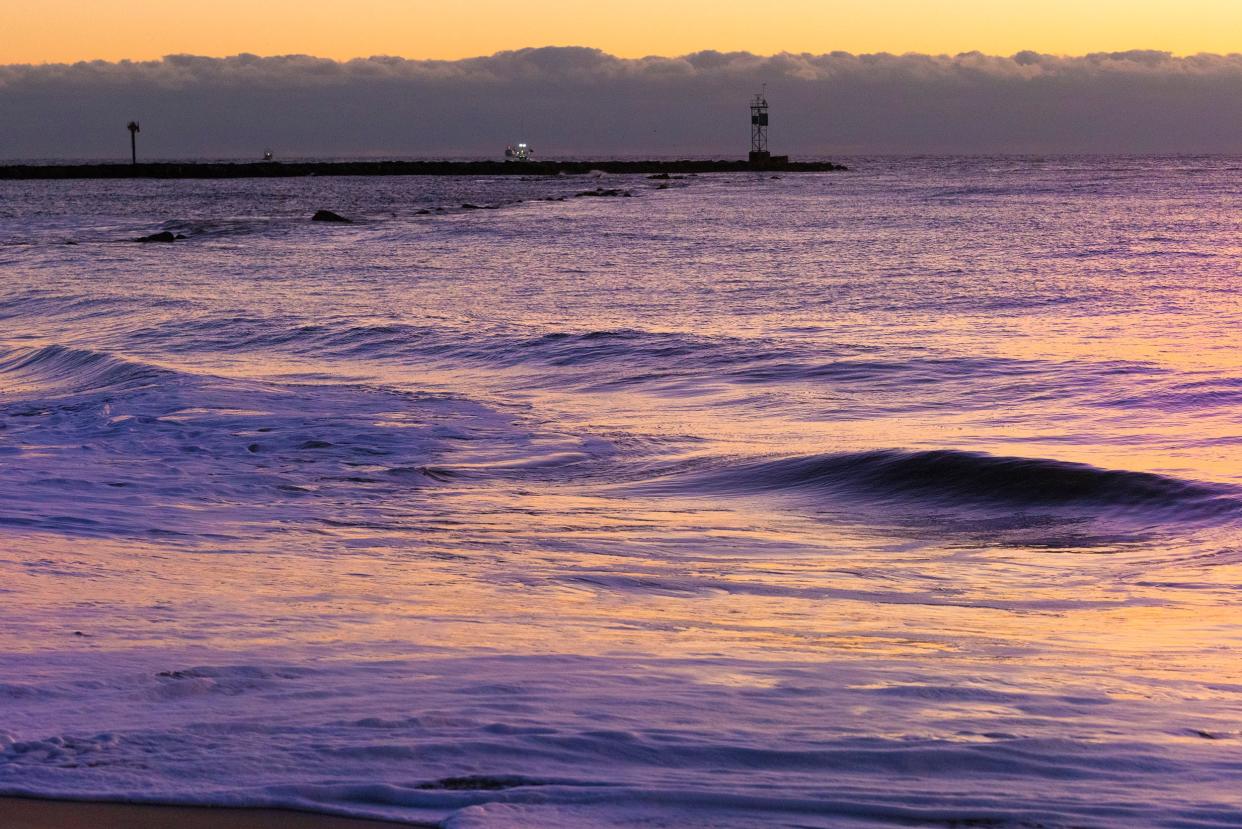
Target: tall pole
(133,142)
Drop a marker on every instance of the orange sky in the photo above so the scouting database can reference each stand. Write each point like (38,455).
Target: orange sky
(43,31)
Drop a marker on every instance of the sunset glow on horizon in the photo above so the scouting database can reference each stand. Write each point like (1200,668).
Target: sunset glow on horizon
(55,31)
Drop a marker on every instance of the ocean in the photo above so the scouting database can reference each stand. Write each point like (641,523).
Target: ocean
(907,495)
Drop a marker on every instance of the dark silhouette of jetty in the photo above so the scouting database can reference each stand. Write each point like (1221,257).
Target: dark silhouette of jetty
(274,169)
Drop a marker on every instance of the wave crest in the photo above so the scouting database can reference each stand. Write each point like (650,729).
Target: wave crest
(69,369)
(958,478)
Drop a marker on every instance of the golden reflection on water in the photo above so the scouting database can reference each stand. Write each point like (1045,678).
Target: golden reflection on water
(549,569)
(545,574)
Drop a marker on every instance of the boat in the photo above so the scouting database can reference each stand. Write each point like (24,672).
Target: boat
(519,152)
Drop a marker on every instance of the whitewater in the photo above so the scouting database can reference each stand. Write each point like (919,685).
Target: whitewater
(907,495)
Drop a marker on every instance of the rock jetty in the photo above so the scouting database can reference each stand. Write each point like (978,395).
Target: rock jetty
(274,169)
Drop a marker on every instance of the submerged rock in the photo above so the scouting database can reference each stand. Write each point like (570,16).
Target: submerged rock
(480,783)
(601,192)
(162,236)
(329,216)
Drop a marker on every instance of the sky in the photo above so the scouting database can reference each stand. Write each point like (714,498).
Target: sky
(43,31)
(413,78)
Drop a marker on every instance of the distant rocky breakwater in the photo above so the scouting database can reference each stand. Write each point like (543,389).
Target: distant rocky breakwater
(270,169)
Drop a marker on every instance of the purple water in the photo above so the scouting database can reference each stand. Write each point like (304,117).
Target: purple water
(908,495)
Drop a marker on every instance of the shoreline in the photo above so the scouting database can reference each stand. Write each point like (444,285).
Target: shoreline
(40,813)
(277,169)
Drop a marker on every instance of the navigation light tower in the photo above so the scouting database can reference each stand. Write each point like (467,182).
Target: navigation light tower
(759,128)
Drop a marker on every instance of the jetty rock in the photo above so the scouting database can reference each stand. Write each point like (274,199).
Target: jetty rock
(329,216)
(526,169)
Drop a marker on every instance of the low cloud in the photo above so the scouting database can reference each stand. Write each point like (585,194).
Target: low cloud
(575,101)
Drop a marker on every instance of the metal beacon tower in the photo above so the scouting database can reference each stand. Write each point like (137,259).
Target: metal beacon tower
(759,129)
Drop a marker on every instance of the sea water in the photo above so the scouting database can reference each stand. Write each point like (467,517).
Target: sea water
(905,495)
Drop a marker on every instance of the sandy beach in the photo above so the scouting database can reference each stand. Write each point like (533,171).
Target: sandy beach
(22,813)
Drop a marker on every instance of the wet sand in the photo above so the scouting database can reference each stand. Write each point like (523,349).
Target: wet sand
(23,813)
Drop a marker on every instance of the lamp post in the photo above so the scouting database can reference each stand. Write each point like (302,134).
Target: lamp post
(133,142)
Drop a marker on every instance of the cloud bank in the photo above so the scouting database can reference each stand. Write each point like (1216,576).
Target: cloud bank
(577,101)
